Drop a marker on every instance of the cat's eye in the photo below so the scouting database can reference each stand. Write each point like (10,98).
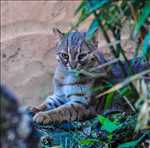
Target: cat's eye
(64,55)
(81,56)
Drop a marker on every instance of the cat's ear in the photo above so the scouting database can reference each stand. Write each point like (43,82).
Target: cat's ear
(94,39)
(58,33)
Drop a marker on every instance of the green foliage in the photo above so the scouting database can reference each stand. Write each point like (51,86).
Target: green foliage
(93,27)
(124,83)
(143,16)
(124,91)
(87,8)
(110,16)
(108,100)
(107,125)
(146,44)
(88,141)
(133,143)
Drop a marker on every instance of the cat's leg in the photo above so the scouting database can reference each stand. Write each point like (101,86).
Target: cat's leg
(68,112)
(39,108)
(50,103)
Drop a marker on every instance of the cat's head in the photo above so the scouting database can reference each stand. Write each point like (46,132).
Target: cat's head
(74,51)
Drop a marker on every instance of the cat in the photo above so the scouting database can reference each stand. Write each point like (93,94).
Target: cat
(73,98)
(75,88)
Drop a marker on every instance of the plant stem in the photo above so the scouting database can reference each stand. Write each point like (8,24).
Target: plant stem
(114,52)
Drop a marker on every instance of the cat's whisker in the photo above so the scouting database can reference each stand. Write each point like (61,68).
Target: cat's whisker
(87,73)
(105,64)
(93,75)
(90,55)
(103,46)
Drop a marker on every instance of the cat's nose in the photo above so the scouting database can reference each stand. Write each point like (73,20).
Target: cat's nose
(73,65)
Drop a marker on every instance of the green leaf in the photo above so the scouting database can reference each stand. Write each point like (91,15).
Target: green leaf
(142,17)
(88,141)
(146,45)
(87,8)
(131,144)
(124,83)
(124,91)
(80,7)
(94,25)
(107,125)
(108,101)
(84,15)
(95,4)
(110,136)
(97,89)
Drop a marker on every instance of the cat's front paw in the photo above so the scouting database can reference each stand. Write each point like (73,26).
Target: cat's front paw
(41,117)
(33,109)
